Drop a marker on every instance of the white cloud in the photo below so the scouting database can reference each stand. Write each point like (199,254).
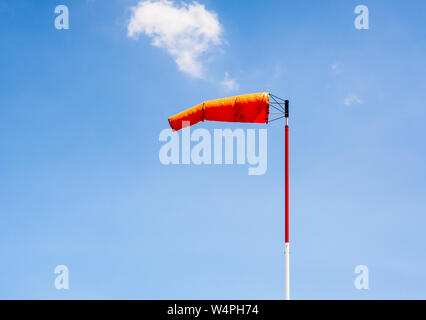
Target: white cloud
(336,68)
(277,72)
(186,31)
(352,99)
(229,84)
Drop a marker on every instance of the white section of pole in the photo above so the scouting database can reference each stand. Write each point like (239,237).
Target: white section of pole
(287,270)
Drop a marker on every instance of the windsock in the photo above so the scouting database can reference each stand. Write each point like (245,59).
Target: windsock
(249,108)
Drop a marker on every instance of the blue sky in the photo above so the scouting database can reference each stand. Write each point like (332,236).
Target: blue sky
(81,183)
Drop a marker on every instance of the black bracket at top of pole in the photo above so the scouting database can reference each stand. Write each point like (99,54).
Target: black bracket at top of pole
(286,109)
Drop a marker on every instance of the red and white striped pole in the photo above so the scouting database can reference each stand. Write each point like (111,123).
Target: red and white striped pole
(287,206)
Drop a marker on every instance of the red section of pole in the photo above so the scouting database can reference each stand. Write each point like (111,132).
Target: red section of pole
(287,198)
(287,205)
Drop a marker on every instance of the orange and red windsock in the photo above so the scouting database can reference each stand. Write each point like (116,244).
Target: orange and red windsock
(249,108)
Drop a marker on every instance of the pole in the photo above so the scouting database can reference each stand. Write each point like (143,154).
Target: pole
(287,206)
